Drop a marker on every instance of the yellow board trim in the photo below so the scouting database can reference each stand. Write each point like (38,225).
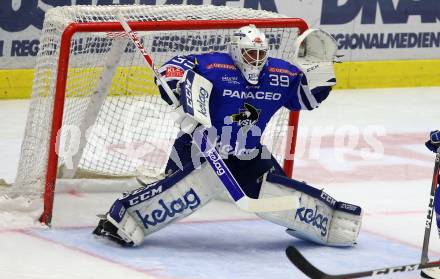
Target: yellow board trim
(17,83)
(385,74)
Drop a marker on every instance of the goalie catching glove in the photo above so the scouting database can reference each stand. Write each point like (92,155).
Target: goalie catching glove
(315,52)
(195,92)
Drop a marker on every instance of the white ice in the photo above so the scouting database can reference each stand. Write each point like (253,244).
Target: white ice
(363,146)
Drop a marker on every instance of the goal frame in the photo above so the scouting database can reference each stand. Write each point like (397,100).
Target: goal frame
(172,25)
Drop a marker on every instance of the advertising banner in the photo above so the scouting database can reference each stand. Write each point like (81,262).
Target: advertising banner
(364,29)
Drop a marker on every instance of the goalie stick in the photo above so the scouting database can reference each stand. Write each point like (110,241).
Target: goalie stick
(211,154)
(428,224)
(311,271)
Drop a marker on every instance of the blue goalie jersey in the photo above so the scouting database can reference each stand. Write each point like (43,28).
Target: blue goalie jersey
(239,110)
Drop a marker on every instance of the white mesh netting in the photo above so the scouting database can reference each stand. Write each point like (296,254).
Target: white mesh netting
(114,123)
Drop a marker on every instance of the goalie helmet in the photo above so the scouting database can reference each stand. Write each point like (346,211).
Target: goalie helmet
(248,48)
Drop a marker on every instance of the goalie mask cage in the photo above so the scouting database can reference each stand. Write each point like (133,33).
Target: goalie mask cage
(95,110)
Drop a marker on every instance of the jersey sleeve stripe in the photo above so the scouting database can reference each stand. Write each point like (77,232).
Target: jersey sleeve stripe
(309,96)
(306,94)
(301,103)
(304,98)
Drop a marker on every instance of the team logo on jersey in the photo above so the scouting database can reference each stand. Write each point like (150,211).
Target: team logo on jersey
(247,117)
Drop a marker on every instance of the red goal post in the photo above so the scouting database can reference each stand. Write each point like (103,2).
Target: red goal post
(64,88)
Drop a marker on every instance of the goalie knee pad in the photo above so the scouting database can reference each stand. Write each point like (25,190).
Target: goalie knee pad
(157,204)
(320,218)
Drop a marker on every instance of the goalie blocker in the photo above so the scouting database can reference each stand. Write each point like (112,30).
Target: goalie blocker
(319,218)
(193,92)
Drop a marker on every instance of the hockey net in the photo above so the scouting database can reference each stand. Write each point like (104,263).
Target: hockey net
(95,110)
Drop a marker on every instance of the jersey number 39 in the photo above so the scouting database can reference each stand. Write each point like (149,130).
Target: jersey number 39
(279,80)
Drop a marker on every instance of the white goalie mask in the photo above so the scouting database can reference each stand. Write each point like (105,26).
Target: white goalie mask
(248,48)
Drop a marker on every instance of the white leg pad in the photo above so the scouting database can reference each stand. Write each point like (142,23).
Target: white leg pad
(320,218)
(166,201)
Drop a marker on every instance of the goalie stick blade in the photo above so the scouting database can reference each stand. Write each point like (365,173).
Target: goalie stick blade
(311,271)
(304,265)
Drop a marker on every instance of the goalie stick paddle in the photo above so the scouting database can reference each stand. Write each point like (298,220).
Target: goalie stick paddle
(211,154)
(312,272)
